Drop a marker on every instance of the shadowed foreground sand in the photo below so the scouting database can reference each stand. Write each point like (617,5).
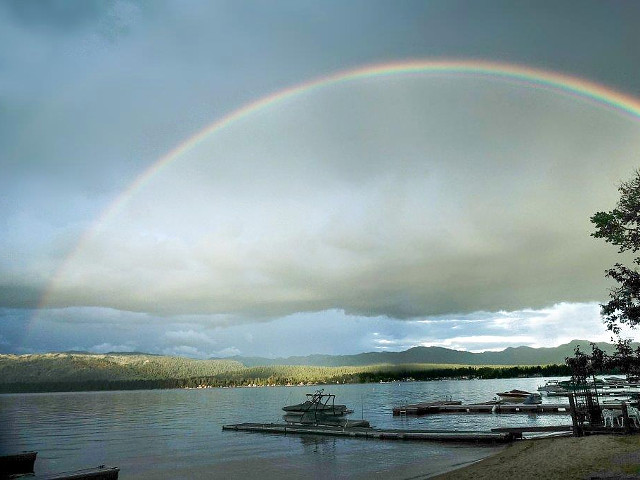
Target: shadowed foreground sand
(598,456)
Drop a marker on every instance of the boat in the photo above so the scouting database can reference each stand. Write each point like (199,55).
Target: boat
(319,408)
(521,396)
(314,418)
(616,382)
(607,387)
(318,402)
(17,463)
(101,472)
(553,388)
(533,399)
(571,386)
(20,465)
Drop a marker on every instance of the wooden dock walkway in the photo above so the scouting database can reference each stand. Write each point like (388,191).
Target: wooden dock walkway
(375,433)
(458,407)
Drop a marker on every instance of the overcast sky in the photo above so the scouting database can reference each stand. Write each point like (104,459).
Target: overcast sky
(376,213)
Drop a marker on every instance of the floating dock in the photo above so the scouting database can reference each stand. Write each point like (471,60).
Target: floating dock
(374,433)
(458,407)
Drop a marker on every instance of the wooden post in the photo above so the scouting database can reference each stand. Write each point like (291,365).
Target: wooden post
(625,417)
(577,431)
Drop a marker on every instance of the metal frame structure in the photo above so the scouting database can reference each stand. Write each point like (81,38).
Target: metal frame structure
(585,406)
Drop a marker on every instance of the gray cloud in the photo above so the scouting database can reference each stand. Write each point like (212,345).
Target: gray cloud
(399,196)
(101,331)
(108,347)
(189,337)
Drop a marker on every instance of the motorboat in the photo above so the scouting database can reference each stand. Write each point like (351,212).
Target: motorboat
(318,402)
(314,418)
(21,465)
(607,387)
(553,388)
(17,463)
(614,382)
(520,396)
(319,408)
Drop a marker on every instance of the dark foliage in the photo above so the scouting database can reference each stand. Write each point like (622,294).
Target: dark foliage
(625,360)
(621,227)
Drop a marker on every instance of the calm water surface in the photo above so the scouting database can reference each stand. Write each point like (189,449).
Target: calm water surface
(178,433)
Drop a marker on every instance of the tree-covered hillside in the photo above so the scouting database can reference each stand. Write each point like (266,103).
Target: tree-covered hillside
(78,367)
(77,371)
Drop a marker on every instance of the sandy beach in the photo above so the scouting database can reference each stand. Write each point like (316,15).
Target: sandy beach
(597,456)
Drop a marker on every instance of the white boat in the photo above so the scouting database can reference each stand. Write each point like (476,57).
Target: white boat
(553,388)
(521,396)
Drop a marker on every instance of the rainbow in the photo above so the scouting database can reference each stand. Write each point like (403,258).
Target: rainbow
(530,77)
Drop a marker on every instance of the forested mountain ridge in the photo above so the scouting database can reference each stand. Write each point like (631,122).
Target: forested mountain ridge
(115,371)
(75,367)
(80,372)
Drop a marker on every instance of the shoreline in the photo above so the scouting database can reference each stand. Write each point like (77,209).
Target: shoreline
(594,456)
(452,469)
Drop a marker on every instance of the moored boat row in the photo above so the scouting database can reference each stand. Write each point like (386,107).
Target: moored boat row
(609,386)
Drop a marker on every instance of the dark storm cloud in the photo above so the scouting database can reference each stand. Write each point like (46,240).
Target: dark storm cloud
(104,330)
(59,15)
(400,197)
(93,93)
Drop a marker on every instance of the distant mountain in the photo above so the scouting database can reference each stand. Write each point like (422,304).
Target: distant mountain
(439,355)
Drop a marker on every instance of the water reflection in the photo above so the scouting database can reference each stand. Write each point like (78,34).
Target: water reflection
(318,445)
(176,433)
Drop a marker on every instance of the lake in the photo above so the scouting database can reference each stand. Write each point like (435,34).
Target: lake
(178,433)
